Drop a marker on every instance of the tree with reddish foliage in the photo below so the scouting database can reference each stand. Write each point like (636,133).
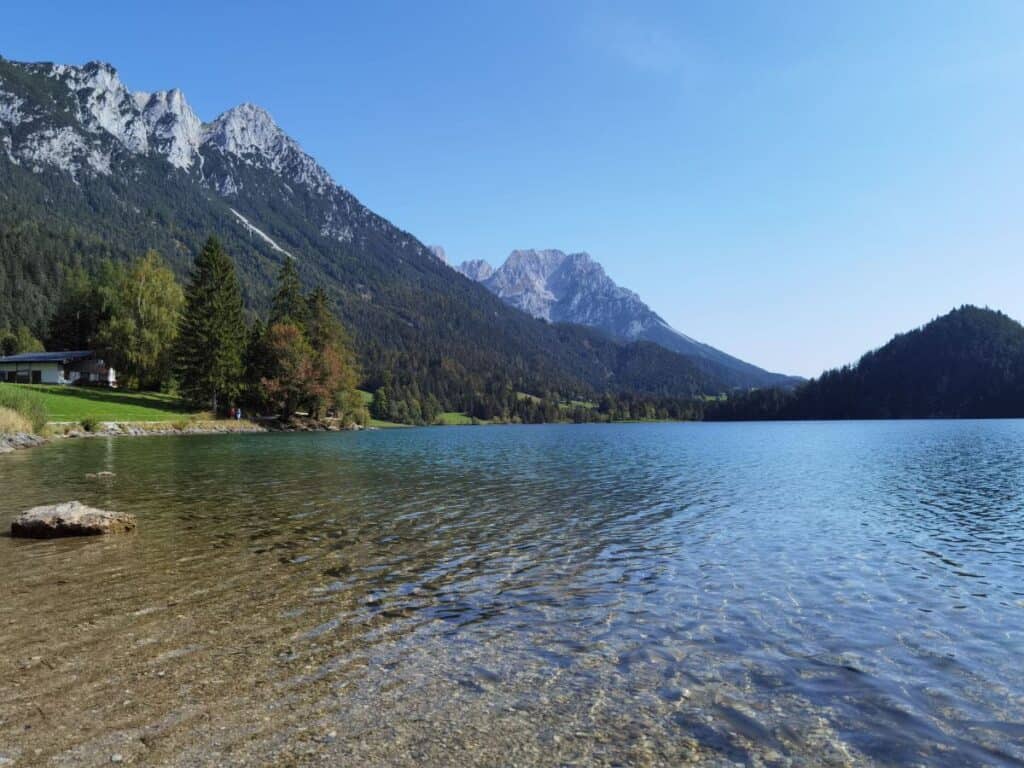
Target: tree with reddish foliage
(305,365)
(290,373)
(335,374)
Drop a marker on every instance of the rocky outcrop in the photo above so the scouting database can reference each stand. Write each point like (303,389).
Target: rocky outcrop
(10,443)
(476,270)
(71,518)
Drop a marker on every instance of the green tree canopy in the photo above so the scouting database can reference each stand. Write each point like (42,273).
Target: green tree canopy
(213,334)
(79,311)
(18,341)
(142,324)
(288,305)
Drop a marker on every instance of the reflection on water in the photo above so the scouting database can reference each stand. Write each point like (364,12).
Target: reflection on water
(771,594)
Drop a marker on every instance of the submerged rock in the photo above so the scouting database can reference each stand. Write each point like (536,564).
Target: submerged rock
(72,518)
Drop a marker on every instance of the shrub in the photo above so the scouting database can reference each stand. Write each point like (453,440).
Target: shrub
(26,403)
(89,424)
(12,422)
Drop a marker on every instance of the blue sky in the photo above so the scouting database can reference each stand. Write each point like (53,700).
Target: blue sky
(792,183)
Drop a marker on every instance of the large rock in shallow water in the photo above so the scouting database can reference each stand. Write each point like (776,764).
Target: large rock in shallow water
(72,518)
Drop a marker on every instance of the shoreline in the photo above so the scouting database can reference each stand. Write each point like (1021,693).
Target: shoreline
(20,441)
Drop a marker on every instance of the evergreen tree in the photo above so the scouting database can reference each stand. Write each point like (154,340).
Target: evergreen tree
(255,363)
(289,305)
(213,334)
(380,408)
(78,314)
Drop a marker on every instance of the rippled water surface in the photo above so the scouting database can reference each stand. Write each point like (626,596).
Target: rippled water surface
(760,594)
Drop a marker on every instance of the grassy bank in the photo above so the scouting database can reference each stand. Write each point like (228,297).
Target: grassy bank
(13,423)
(21,407)
(378,423)
(79,403)
(76,404)
(455,419)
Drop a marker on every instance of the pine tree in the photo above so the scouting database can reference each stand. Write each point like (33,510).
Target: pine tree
(255,362)
(381,405)
(289,305)
(78,314)
(213,335)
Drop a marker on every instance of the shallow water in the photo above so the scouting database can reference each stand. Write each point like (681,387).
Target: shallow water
(761,594)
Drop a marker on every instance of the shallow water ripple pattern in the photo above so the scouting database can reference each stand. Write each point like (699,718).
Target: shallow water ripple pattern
(761,594)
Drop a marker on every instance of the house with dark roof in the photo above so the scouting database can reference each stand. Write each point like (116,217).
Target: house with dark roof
(79,367)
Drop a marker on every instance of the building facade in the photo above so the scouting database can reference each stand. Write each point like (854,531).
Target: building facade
(81,367)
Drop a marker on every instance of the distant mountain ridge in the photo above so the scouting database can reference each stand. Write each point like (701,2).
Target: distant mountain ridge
(573,288)
(968,363)
(91,170)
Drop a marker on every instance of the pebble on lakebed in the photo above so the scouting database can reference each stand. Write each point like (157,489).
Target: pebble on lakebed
(72,518)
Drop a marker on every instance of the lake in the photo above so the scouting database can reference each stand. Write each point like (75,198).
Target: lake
(781,594)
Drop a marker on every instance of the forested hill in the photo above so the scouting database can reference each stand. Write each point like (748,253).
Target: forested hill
(90,170)
(966,364)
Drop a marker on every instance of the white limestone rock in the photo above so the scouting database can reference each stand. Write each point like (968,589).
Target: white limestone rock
(71,518)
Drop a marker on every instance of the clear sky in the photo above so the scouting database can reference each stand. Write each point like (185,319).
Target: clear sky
(792,183)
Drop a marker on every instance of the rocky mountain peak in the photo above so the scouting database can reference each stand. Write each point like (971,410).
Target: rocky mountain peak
(103,109)
(246,130)
(574,288)
(249,133)
(541,281)
(477,270)
(104,103)
(175,129)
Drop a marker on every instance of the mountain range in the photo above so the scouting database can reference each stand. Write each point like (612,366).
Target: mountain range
(573,288)
(90,170)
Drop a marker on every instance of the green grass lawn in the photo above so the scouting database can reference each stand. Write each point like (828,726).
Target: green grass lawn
(367,401)
(587,404)
(455,419)
(77,403)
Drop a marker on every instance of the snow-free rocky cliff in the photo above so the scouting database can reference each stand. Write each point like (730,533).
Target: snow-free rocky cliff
(86,120)
(573,288)
(101,109)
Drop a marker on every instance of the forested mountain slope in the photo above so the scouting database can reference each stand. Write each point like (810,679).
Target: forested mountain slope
(90,170)
(966,364)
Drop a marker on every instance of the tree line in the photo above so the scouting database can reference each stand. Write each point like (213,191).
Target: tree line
(195,339)
(500,402)
(200,341)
